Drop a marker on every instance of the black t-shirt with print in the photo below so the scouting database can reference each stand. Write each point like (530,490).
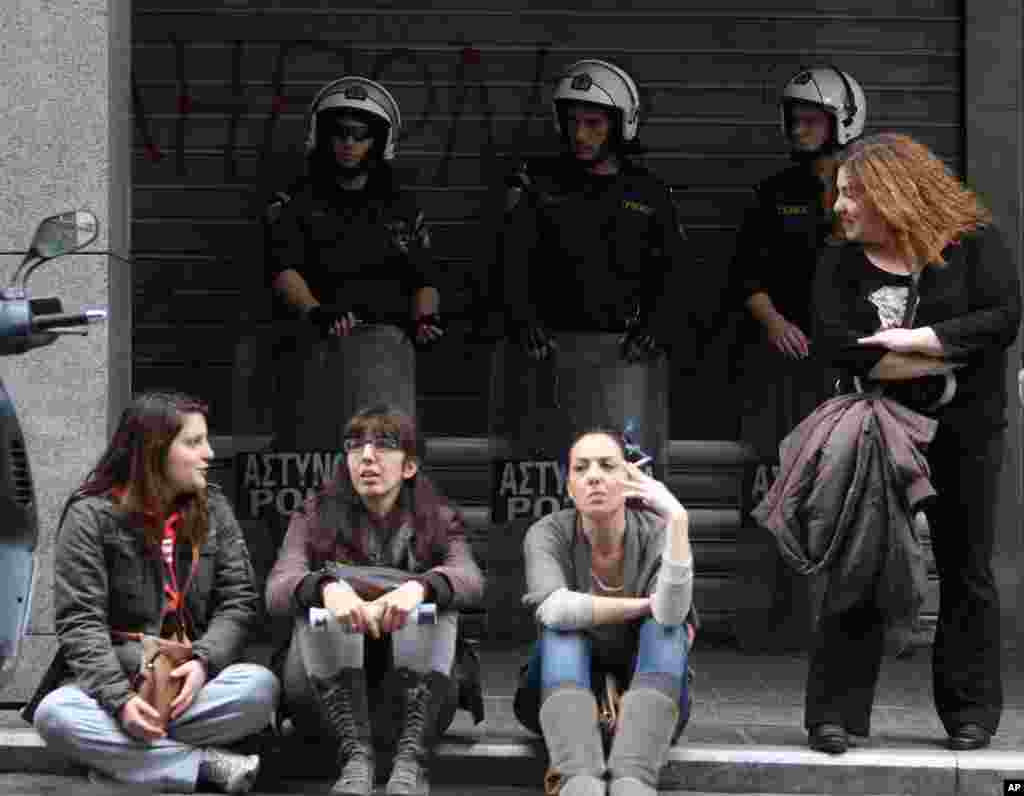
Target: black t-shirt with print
(972,303)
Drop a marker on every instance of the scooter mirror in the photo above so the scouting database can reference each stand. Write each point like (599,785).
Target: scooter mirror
(66,233)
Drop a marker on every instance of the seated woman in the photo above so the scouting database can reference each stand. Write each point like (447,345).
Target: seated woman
(143,540)
(612,587)
(375,544)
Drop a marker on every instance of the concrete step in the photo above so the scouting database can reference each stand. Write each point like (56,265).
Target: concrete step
(477,763)
(35,784)
(745,736)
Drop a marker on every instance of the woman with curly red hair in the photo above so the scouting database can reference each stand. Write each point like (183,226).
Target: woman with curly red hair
(921,302)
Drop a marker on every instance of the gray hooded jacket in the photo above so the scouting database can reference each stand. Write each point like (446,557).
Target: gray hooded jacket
(852,475)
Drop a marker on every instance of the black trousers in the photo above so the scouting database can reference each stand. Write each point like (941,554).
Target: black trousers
(966,677)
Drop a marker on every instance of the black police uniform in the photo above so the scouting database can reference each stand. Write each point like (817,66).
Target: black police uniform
(367,251)
(782,234)
(587,258)
(586,253)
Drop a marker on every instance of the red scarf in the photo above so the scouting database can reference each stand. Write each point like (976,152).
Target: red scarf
(168,542)
(170,537)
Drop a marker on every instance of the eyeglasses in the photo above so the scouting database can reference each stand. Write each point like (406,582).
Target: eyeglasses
(384,442)
(357,133)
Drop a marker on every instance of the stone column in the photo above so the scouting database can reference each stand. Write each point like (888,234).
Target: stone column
(994,132)
(65,143)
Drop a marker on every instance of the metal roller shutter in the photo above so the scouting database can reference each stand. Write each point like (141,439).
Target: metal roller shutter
(222,87)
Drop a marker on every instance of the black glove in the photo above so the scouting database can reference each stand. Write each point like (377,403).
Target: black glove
(536,341)
(326,319)
(638,342)
(426,331)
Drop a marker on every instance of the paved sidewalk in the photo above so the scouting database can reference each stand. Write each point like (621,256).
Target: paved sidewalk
(745,736)
(758,699)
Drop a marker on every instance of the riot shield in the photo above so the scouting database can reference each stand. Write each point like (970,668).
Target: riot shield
(776,394)
(315,385)
(536,408)
(326,381)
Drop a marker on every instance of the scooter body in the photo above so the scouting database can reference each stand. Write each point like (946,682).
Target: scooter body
(26,324)
(19,532)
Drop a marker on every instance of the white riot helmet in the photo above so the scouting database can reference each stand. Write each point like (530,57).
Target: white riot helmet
(835,92)
(361,94)
(599,83)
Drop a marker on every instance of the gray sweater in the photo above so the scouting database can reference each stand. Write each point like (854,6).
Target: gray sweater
(558,556)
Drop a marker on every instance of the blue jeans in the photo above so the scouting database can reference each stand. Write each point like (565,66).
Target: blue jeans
(561,657)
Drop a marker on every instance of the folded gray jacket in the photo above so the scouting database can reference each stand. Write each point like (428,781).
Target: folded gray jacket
(851,478)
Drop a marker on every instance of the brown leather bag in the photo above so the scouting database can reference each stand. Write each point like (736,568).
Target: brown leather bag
(162,655)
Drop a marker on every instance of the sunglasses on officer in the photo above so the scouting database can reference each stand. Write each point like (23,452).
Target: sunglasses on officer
(345,129)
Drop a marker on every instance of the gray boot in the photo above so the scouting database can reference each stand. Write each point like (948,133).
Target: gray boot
(343,703)
(647,722)
(568,718)
(422,697)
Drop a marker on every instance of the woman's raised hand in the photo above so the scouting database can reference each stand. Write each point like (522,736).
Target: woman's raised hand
(652,492)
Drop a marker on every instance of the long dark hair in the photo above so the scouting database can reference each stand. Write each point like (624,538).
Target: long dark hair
(132,470)
(341,508)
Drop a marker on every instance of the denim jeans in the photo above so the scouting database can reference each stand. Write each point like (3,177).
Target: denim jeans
(561,657)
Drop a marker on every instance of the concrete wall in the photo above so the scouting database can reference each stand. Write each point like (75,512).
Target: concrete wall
(65,144)
(994,132)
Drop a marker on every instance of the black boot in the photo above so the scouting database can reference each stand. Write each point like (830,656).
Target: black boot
(422,697)
(343,702)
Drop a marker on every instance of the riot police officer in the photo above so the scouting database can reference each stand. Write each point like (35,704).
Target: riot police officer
(780,379)
(823,109)
(349,245)
(349,258)
(589,236)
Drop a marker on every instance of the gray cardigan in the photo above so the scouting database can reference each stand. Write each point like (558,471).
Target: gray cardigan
(558,556)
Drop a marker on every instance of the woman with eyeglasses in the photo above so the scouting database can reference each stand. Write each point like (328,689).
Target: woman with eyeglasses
(376,544)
